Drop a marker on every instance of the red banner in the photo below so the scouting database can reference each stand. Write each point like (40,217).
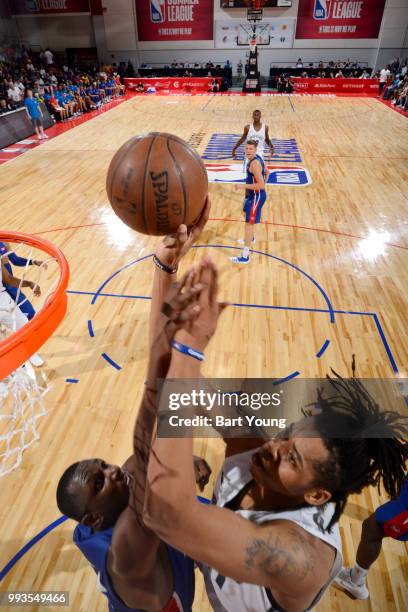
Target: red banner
(173,84)
(339,19)
(47,7)
(335,85)
(162,20)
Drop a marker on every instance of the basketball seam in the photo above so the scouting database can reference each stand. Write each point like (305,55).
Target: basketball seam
(112,182)
(144,182)
(180,174)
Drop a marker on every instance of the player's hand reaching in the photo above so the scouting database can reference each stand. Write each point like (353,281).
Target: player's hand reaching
(202,314)
(174,247)
(36,289)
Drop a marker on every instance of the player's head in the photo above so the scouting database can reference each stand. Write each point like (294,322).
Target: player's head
(256,116)
(93,492)
(310,464)
(251,148)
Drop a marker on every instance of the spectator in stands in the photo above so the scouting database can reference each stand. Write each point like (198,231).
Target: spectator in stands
(339,75)
(15,95)
(320,64)
(35,113)
(57,111)
(48,57)
(119,87)
(239,70)
(140,87)
(130,71)
(364,75)
(384,76)
(299,63)
(391,90)
(400,91)
(4,106)
(281,83)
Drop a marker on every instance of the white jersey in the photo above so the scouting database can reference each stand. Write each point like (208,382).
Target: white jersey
(259,136)
(227,595)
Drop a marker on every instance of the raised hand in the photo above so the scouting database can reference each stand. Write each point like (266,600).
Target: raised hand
(174,247)
(201,318)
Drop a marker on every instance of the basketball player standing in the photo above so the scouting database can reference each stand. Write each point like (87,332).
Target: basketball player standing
(255,197)
(255,131)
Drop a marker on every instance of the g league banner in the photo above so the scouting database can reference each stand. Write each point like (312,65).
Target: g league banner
(45,7)
(339,19)
(163,20)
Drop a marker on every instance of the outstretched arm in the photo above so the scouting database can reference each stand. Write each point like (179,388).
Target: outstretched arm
(133,554)
(278,555)
(241,140)
(13,281)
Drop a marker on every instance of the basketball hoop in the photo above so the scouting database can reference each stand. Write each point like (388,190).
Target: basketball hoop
(21,391)
(20,345)
(252,44)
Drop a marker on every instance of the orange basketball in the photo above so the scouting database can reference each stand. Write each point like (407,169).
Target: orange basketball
(156,182)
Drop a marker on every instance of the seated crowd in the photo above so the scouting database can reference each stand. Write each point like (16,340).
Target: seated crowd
(394,83)
(66,92)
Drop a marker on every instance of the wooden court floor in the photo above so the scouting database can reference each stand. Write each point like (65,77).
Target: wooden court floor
(344,236)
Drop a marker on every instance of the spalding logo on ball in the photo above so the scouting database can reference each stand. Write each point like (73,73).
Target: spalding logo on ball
(156,182)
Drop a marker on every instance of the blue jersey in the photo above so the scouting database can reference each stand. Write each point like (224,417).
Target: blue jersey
(393,515)
(33,107)
(95,546)
(250,178)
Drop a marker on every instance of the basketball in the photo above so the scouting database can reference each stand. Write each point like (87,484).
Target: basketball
(156,182)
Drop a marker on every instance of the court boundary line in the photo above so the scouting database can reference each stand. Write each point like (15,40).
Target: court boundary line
(233,219)
(373,315)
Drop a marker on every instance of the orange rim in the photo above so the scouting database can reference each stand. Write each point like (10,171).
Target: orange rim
(17,348)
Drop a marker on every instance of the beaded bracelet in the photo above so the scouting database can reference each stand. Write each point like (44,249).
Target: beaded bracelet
(163,266)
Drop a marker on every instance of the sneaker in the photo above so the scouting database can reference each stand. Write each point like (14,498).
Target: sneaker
(242,241)
(343,580)
(36,360)
(45,136)
(241,260)
(39,137)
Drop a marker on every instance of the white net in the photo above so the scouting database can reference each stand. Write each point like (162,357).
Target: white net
(22,392)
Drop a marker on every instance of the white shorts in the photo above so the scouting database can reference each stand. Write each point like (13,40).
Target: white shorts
(10,314)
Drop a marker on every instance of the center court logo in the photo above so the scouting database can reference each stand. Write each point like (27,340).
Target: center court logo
(157,11)
(279,175)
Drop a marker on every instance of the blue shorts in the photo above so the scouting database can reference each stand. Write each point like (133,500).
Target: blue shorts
(253,204)
(392,517)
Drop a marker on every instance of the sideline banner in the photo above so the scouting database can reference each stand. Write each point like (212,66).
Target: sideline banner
(339,19)
(182,84)
(48,7)
(335,85)
(163,20)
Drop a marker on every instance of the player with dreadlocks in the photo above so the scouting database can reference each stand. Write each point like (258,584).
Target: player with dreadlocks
(271,540)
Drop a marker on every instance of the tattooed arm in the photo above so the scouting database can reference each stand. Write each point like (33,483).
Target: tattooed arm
(279,555)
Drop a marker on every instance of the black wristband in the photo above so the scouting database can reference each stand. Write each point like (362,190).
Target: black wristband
(163,267)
